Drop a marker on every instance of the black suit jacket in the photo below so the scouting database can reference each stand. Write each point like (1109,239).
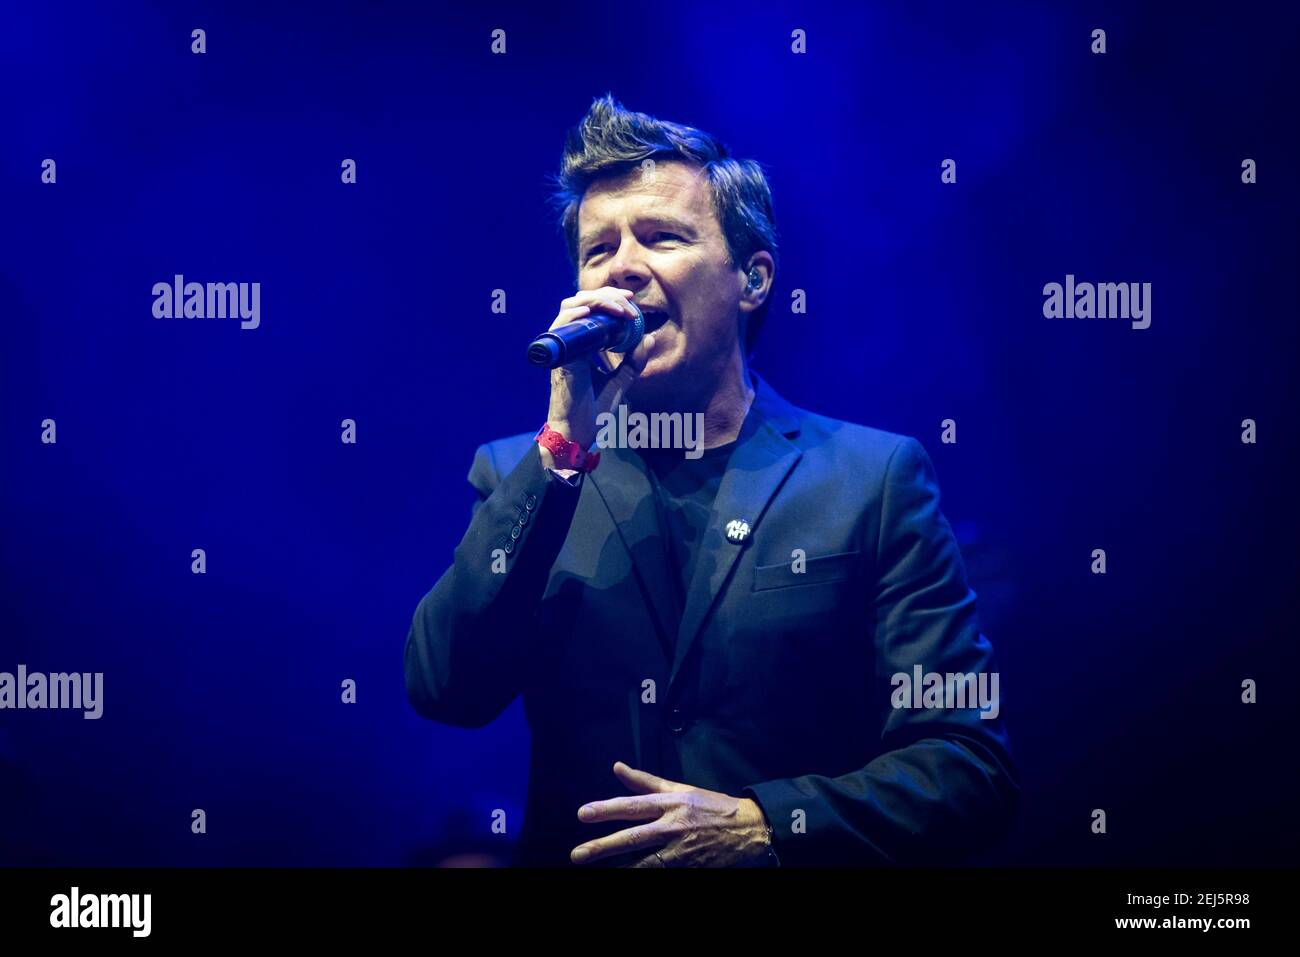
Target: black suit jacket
(778,685)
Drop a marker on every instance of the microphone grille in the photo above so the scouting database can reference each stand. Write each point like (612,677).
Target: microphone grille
(633,331)
(544,352)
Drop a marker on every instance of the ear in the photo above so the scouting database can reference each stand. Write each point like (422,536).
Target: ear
(754,294)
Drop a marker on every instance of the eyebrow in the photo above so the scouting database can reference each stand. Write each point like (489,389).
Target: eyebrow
(671,222)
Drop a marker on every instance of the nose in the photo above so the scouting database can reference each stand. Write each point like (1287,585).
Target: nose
(627,267)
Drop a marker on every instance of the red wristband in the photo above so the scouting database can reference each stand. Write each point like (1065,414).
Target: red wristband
(567,455)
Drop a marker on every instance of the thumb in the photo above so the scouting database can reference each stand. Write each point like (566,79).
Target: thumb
(626,373)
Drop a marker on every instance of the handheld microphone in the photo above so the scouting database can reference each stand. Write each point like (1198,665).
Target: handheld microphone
(584,336)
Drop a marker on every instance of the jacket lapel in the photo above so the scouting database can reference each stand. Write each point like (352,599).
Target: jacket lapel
(624,487)
(763,458)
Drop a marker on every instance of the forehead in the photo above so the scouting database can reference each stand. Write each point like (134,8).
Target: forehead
(670,188)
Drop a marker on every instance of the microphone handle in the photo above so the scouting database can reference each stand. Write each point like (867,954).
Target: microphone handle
(585,336)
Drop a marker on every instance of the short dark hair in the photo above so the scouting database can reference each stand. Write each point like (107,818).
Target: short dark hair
(611,141)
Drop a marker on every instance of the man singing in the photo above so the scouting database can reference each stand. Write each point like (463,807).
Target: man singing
(711,647)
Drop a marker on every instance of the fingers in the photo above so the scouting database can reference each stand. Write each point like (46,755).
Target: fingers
(658,859)
(640,808)
(567,316)
(606,299)
(643,782)
(632,839)
(585,297)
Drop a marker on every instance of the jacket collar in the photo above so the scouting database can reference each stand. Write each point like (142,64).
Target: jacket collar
(772,406)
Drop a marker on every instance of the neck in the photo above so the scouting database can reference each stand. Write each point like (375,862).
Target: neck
(725,403)
(727,406)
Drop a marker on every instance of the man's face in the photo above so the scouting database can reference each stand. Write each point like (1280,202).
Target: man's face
(655,232)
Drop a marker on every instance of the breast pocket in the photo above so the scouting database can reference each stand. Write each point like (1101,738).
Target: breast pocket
(811,571)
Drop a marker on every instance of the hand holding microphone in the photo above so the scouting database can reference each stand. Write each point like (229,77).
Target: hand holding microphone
(574,405)
(588,334)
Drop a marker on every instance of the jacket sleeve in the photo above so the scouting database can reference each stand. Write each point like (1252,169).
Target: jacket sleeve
(472,635)
(945,780)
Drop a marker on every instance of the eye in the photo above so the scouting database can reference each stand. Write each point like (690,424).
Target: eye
(593,251)
(656,237)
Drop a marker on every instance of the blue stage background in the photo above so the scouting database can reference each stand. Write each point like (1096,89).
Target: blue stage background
(222,691)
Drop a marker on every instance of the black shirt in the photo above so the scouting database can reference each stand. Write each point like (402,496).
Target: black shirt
(684,490)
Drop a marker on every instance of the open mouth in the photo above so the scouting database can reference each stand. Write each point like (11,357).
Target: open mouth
(654,319)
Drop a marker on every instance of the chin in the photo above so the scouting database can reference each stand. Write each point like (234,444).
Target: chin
(662,368)
(659,384)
